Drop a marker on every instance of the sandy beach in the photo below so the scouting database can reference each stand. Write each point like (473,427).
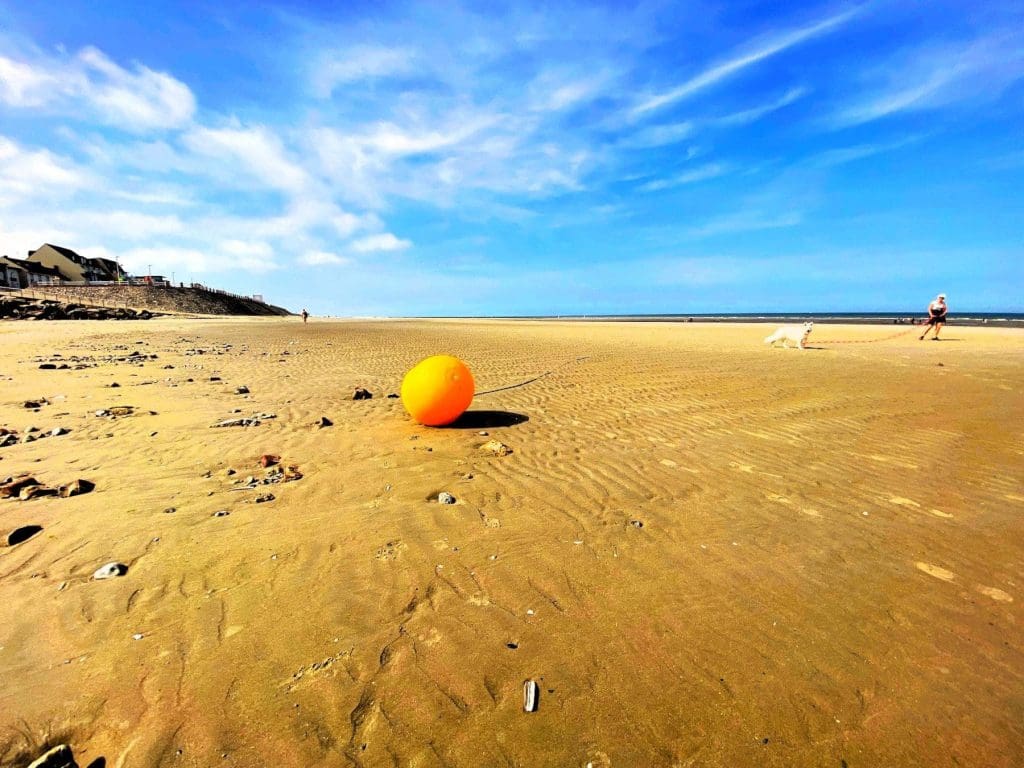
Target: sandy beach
(705,552)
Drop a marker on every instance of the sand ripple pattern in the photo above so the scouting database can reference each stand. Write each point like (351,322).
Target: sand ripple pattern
(705,553)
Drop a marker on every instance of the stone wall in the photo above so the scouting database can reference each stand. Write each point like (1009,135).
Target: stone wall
(177,300)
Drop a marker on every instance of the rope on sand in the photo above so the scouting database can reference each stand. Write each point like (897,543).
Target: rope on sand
(535,378)
(913,329)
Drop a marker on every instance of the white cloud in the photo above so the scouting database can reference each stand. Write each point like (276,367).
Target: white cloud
(136,99)
(318,258)
(933,77)
(140,261)
(709,77)
(383,242)
(27,172)
(362,62)
(22,85)
(756,113)
(746,221)
(257,151)
(704,172)
(658,135)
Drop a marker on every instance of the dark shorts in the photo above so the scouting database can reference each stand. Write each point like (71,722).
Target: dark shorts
(936,320)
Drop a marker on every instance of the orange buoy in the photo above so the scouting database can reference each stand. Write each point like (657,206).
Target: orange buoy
(437,390)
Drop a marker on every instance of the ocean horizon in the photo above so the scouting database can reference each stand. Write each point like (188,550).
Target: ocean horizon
(1001,319)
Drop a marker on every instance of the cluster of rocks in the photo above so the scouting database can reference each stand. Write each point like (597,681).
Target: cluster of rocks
(11,436)
(252,421)
(26,487)
(21,308)
(57,362)
(276,472)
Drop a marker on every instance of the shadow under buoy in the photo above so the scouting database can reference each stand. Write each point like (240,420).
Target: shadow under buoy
(488,420)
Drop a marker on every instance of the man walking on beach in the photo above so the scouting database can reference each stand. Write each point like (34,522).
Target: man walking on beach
(305,316)
(936,316)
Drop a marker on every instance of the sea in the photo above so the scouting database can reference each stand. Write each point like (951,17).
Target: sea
(994,319)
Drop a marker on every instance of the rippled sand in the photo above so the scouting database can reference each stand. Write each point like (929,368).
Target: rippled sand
(706,552)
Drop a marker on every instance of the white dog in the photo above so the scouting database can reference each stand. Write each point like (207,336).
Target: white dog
(788,333)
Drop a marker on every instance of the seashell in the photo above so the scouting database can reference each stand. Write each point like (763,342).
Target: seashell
(531,696)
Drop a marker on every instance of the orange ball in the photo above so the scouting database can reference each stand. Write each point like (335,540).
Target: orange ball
(438,390)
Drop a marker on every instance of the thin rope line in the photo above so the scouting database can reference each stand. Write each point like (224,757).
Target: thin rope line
(535,378)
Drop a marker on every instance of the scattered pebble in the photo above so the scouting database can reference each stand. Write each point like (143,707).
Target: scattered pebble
(637,523)
(269,460)
(243,390)
(75,488)
(445,498)
(496,447)
(110,571)
(531,696)
(362,394)
(221,513)
(324,422)
(59,757)
(264,498)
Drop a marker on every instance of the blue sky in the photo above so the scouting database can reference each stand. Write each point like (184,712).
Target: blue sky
(551,158)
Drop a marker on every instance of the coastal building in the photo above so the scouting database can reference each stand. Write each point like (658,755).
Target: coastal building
(36,273)
(73,267)
(12,275)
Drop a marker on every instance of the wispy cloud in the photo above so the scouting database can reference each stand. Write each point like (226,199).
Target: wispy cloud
(653,136)
(746,221)
(934,76)
(746,116)
(843,155)
(703,173)
(772,46)
(365,62)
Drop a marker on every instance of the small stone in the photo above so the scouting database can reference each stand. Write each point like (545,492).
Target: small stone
(361,394)
(76,488)
(170,510)
(32,429)
(445,498)
(138,636)
(59,757)
(35,492)
(482,433)
(324,422)
(110,571)
(264,498)
(29,439)
(221,513)
(114,385)
(32,404)
(215,378)
(269,460)
(243,390)
(58,431)
(637,523)
(229,472)
(496,447)
(48,367)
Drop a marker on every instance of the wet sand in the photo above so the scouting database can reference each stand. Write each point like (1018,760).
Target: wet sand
(706,552)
